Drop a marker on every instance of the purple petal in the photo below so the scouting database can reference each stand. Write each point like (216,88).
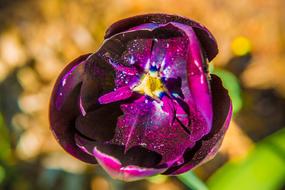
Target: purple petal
(134,128)
(97,80)
(208,146)
(146,26)
(64,108)
(145,124)
(205,37)
(127,54)
(198,82)
(182,59)
(170,55)
(129,173)
(119,94)
(94,125)
(169,108)
(69,79)
(125,171)
(124,69)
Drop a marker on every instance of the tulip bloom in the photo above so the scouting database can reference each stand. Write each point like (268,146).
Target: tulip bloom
(144,103)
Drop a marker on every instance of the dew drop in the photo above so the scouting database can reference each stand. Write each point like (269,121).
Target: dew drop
(132,60)
(143,144)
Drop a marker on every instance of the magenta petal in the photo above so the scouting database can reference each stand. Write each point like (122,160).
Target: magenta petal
(208,146)
(198,82)
(127,53)
(98,79)
(119,94)
(63,108)
(128,173)
(114,166)
(69,79)
(124,69)
(168,107)
(146,26)
(170,55)
(205,37)
(146,124)
(181,63)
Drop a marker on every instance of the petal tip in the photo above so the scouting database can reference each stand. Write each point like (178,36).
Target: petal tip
(126,173)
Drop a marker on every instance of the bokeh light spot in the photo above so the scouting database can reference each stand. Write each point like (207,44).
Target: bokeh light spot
(241,46)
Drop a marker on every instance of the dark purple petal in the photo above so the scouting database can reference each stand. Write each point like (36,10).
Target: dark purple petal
(128,173)
(168,46)
(145,124)
(69,79)
(183,60)
(197,79)
(119,94)
(98,79)
(75,93)
(146,26)
(205,37)
(208,146)
(100,123)
(125,166)
(64,107)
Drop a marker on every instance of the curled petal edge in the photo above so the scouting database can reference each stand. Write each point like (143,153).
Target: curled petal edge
(205,36)
(60,126)
(210,144)
(128,173)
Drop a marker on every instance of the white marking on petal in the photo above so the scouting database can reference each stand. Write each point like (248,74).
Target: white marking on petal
(201,71)
(162,64)
(147,65)
(64,82)
(82,110)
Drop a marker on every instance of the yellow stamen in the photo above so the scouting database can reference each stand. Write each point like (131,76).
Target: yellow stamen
(150,85)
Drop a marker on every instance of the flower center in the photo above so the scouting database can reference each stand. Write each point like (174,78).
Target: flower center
(151,85)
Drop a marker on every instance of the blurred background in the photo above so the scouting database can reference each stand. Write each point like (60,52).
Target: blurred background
(39,37)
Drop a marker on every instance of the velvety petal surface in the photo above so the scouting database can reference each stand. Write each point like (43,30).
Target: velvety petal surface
(208,146)
(197,79)
(64,107)
(145,124)
(127,166)
(207,40)
(99,124)
(98,79)
(128,173)
(75,96)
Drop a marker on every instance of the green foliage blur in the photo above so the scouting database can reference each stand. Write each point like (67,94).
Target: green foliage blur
(38,38)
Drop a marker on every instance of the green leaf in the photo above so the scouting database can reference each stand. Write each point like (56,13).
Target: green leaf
(262,169)
(231,83)
(192,181)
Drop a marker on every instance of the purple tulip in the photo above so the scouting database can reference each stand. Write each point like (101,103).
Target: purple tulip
(144,103)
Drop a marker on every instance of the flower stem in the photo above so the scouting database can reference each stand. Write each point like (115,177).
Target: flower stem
(190,180)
